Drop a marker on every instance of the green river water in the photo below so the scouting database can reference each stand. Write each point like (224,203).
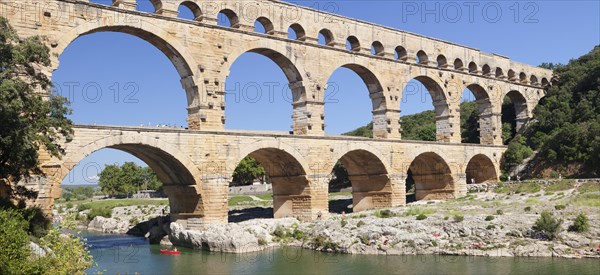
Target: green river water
(120,254)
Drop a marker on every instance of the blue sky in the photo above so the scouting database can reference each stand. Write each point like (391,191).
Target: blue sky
(118,79)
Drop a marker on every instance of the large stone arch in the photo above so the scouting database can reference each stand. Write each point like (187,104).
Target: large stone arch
(442,108)
(180,57)
(371,185)
(481,169)
(290,65)
(488,119)
(521,108)
(293,194)
(375,85)
(432,177)
(181,177)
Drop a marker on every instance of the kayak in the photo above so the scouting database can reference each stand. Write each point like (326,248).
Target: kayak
(169,252)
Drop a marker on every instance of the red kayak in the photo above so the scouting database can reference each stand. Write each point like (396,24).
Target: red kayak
(169,252)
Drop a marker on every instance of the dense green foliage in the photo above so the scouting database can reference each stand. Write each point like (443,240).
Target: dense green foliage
(581,224)
(515,154)
(364,131)
(28,122)
(58,253)
(127,178)
(30,119)
(420,126)
(566,126)
(248,171)
(14,251)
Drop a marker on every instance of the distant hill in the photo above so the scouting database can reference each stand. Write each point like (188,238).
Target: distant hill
(421,126)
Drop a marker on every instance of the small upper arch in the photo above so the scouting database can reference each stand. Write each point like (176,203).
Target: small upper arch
(486,70)
(458,64)
(326,37)
(352,44)
(422,57)
(473,69)
(228,18)
(400,53)
(267,25)
(296,32)
(441,61)
(377,49)
(194,9)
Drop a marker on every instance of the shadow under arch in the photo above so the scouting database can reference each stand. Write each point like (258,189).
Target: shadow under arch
(371,186)
(432,177)
(180,177)
(481,169)
(292,195)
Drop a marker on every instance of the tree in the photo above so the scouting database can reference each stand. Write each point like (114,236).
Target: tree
(30,117)
(127,178)
(247,171)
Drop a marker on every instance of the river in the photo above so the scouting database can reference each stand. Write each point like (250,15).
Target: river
(128,255)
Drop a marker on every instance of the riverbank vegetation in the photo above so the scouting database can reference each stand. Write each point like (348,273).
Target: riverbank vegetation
(31,118)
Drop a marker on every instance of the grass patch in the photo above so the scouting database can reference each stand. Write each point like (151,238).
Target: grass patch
(110,204)
(265,197)
(587,187)
(532,201)
(592,200)
(419,211)
(560,185)
(239,200)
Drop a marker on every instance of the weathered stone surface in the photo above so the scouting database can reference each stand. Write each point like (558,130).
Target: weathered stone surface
(196,164)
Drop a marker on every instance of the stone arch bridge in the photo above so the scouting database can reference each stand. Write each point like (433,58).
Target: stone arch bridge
(196,163)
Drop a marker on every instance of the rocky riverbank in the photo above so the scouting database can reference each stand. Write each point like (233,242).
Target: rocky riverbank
(492,223)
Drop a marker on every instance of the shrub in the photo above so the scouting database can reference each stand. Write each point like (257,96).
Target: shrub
(344,222)
(547,226)
(458,218)
(385,213)
(560,207)
(360,223)
(434,243)
(364,239)
(298,234)
(527,208)
(581,224)
(499,212)
(421,217)
(279,232)
(69,205)
(446,218)
(134,221)
(262,241)
(83,207)
(490,226)
(489,218)
(99,211)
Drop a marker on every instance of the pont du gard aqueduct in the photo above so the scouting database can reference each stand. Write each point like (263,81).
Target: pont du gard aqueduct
(196,164)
